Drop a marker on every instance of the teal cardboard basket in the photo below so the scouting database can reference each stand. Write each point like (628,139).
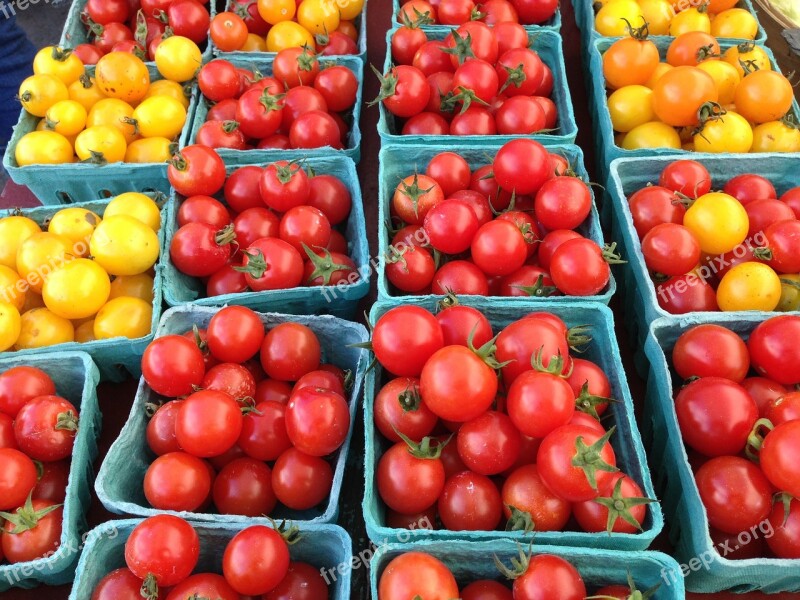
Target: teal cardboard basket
(607,149)
(264,66)
(339,301)
(395,163)
(548,45)
(470,561)
(81,182)
(75,31)
(117,358)
(119,484)
(361,43)
(627,443)
(76,378)
(673,476)
(639,300)
(323,546)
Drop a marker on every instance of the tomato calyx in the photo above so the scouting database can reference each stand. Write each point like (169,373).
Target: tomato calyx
(307,58)
(465,97)
(619,507)
(67,421)
(86,81)
(284,173)
(520,520)
(519,566)
(95,158)
(418,20)
(230,126)
(538,289)
(611,256)
(149,589)
(555,365)
(706,52)
(790,121)
(95,29)
(638,33)
(410,399)
(428,448)
(449,300)
(590,459)
(388,86)
(150,408)
(462,48)
(133,122)
(60,54)
(588,403)
(140,34)
(324,266)
(247,405)
(486,352)
(256,264)
(476,14)
(784,498)
(708,113)
(578,336)
(242,10)
(271,102)
(635,593)
(755,440)
(413,192)
(748,66)
(287,530)
(26,517)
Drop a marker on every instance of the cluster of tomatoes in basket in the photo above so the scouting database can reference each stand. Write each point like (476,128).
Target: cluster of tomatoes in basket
(82,277)
(117,114)
(504,229)
(162,553)
(476,81)
(720,18)
(421,575)
(139,27)
(274,25)
(37,432)
(736,249)
(491,12)
(739,416)
(239,397)
(464,406)
(275,230)
(701,98)
(300,106)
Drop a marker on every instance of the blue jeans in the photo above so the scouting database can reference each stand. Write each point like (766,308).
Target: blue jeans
(18,53)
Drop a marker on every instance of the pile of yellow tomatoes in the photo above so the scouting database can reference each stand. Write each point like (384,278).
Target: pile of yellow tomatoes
(719,18)
(117,114)
(81,277)
(699,98)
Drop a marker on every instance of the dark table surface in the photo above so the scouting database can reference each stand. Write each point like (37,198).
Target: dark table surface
(116,399)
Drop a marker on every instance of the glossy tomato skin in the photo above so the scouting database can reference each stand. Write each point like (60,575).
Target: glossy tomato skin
(289,351)
(554,461)
(177,481)
(399,408)
(521,340)
(317,420)
(499,248)
(460,322)
(231,378)
(470,502)
(18,478)
(785,543)
(687,177)
(52,484)
(748,188)
(272,264)
(715,415)
(593,516)
(711,351)
(264,435)
(489,444)
(302,582)
(524,490)
(39,431)
(686,293)
(417,574)
(404,338)
(235,334)
(244,487)
(735,492)
(172,365)
(197,170)
(654,205)
(777,457)
(408,484)
(165,546)
(549,576)
(486,589)
(301,481)
(208,423)
(161,429)
(255,561)
(36,542)
(19,385)
(539,402)
(198,249)
(120,584)
(203,585)
(411,92)
(773,352)
(460,277)
(579,269)
(203,209)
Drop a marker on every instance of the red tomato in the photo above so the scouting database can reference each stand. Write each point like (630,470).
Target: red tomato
(104,12)
(763,391)
(315,129)
(235,334)
(410,482)
(164,548)
(499,248)
(120,584)
(301,481)
(629,504)
(773,351)
(533,12)
(338,86)
(579,268)
(289,351)
(45,428)
(763,213)
(470,502)
(317,420)
(431,58)
(302,582)
(404,91)
(523,339)
(272,264)
(244,487)
(405,43)
(460,277)
(539,402)
(489,444)
(777,457)
(686,293)
(785,543)
(200,250)
(792,198)
(670,249)
(783,239)
(208,423)
(19,385)
(284,186)
(203,585)
(654,205)
(177,481)
(486,589)
(520,71)
(404,338)
(203,209)
(687,177)
(415,574)
(17,478)
(259,113)
(264,435)
(459,323)
(563,203)
(161,429)
(196,170)
(255,561)
(522,166)
(525,491)
(330,195)
(172,366)
(399,408)
(549,576)
(711,351)
(34,531)
(52,483)
(190,19)
(749,188)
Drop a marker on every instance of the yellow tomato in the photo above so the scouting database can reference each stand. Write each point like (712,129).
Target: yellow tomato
(123,245)
(67,117)
(718,222)
(13,231)
(610,20)
(349,9)
(124,317)
(660,70)
(77,225)
(318,16)
(77,290)
(32,300)
(86,92)
(776,136)
(160,116)
(136,205)
(122,75)
(654,134)
(10,325)
(101,144)
(39,92)
(149,150)
(691,19)
(12,287)
(40,254)
(288,34)
(735,23)
(114,113)
(178,58)
(58,62)
(133,286)
(43,148)
(275,11)
(729,133)
(173,89)
(749,286)
(630,106)
(85,332)
(254,43)
(725,77)
(658,14)
(790,293)
(41,327)
(747,52)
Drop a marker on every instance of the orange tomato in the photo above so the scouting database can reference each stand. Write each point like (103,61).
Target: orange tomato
(692,48)
(679,93)
(763,96)
(629,61)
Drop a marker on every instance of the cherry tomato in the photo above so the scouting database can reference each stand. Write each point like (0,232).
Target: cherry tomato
(255,561)
(525,491)
(164,548)
(470,502)
(177,481)
(208,423)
